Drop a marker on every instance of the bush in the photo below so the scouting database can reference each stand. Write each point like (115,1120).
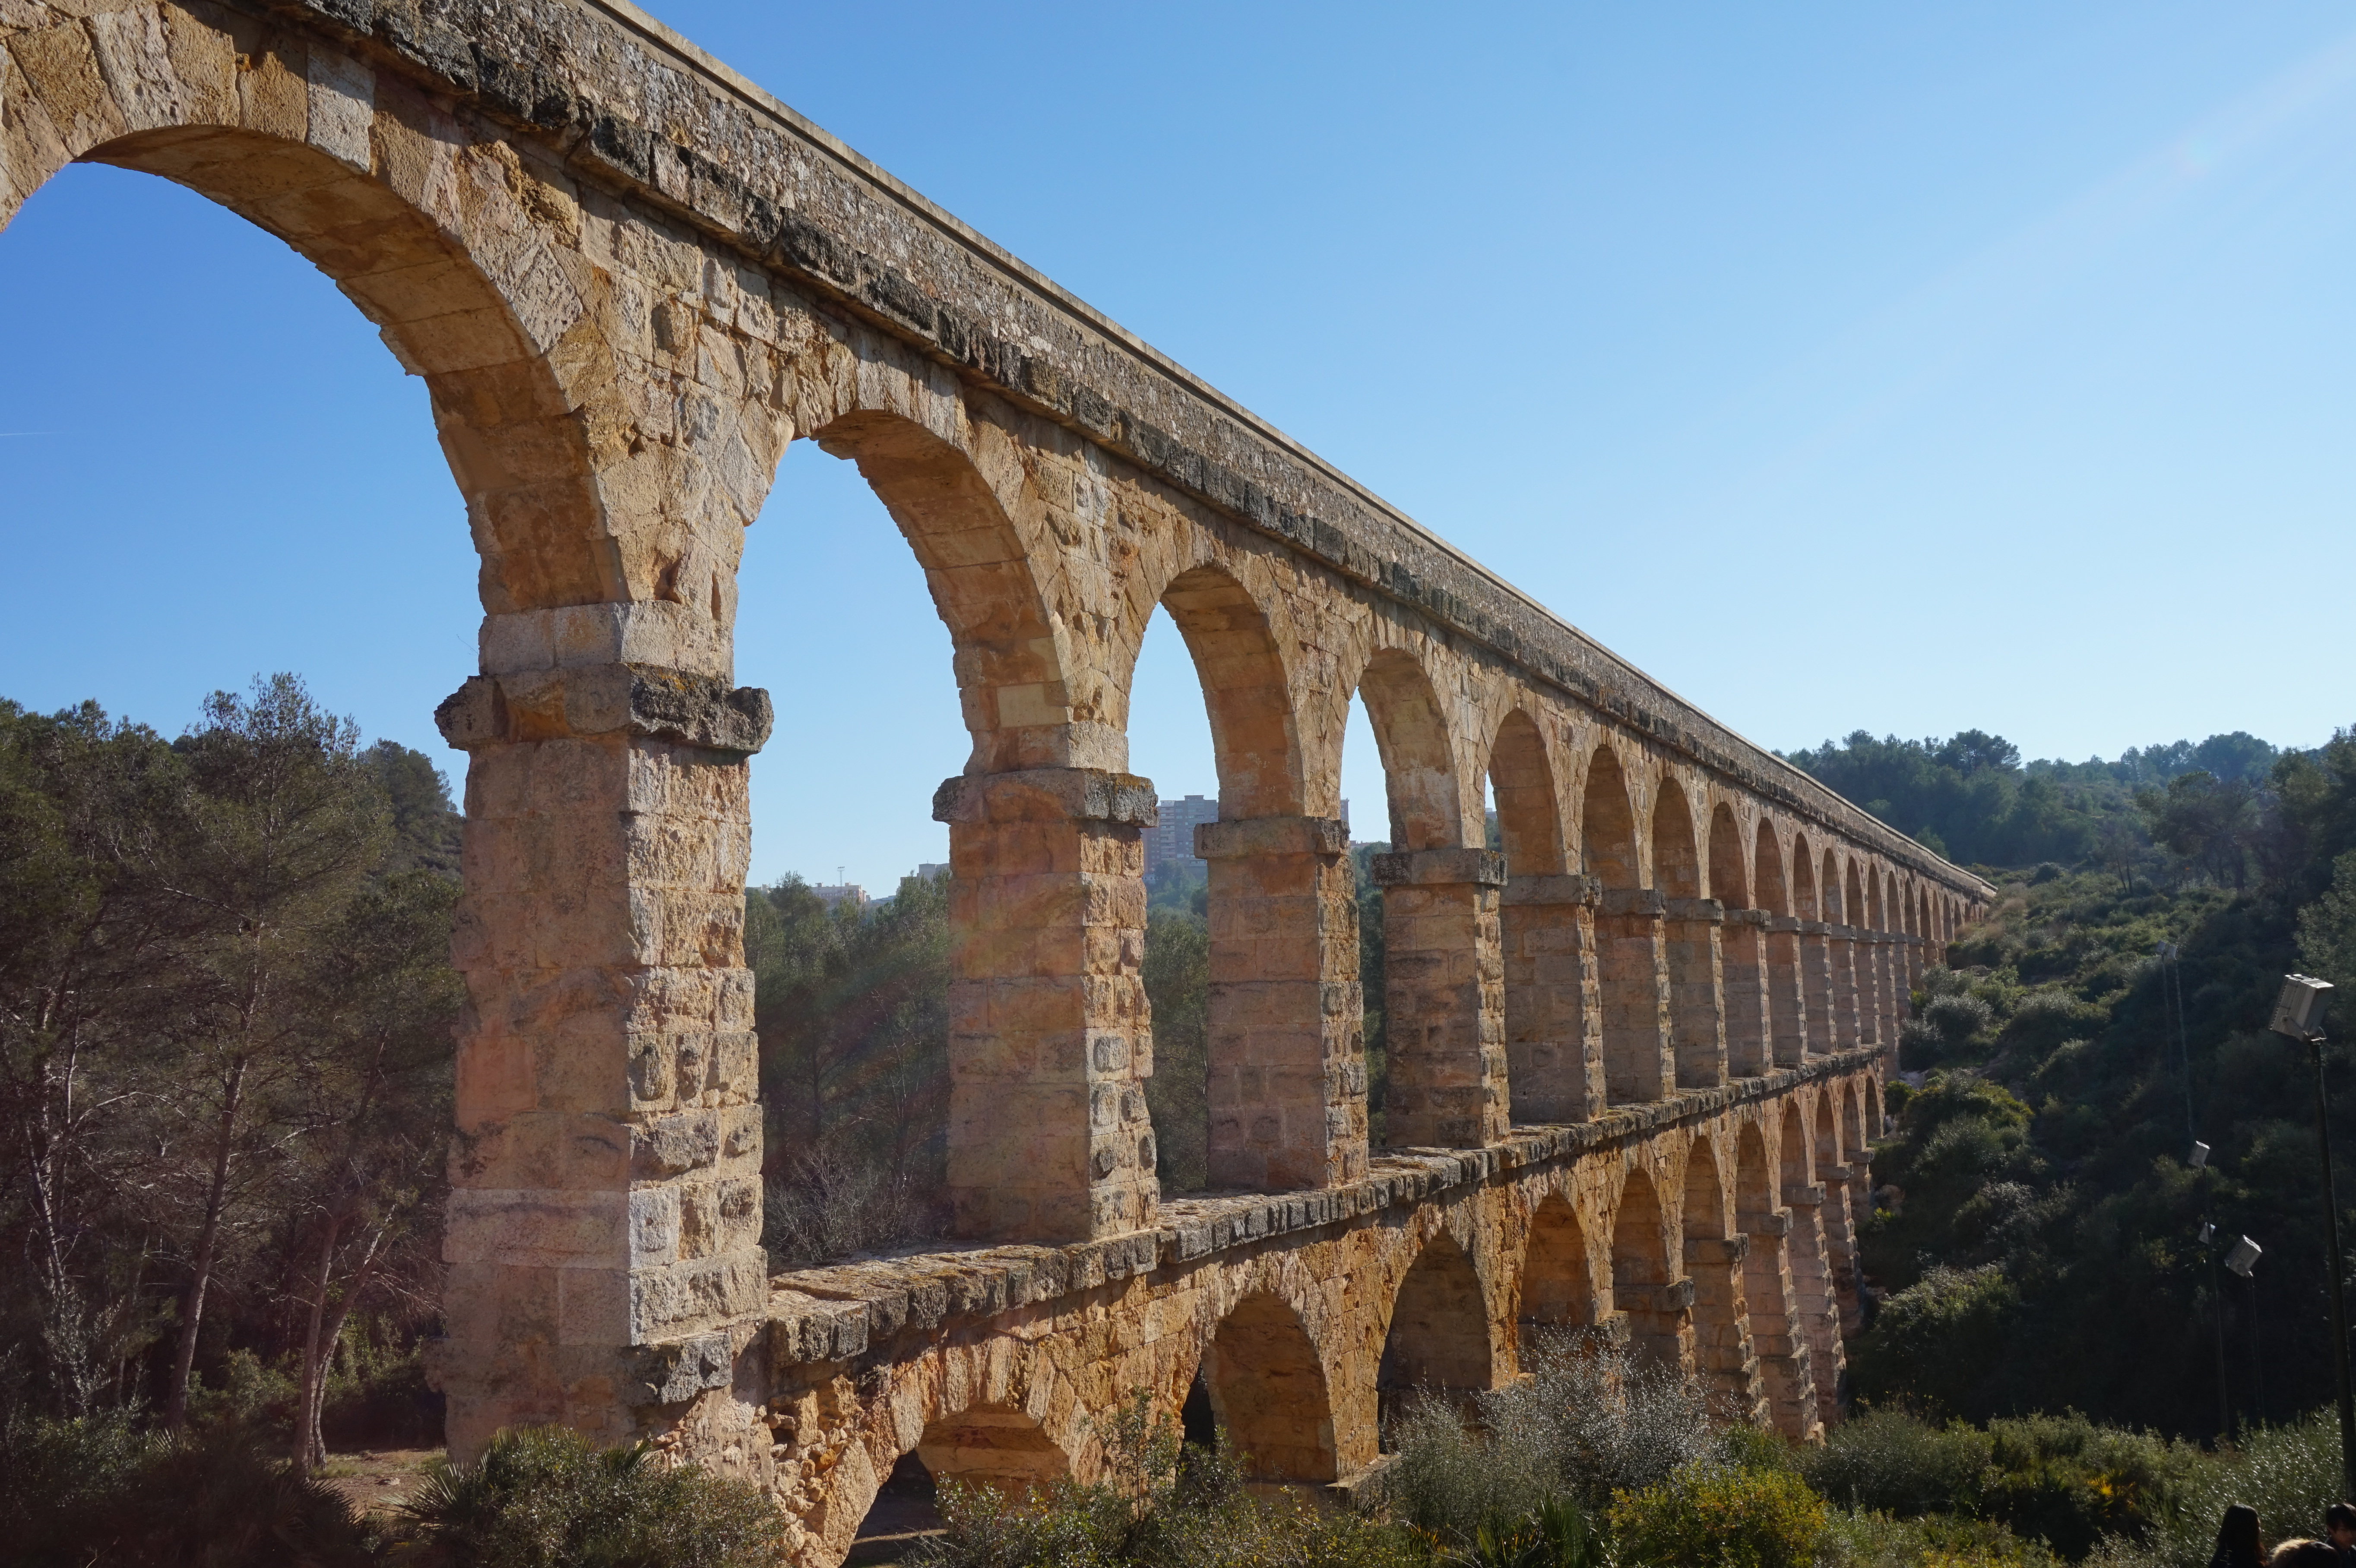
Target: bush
(1877,1540)
(1890,1462)
(2068,1482)
(1158,1506)
(1709,1513)
(2289,1474)
(543,1496)
(79,1493)
(1934,1342)
(1586,1423)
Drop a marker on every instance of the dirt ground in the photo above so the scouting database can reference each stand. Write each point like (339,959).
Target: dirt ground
(376,1479)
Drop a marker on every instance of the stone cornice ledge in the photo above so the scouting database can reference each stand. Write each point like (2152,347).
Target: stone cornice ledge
(632,106)
(840,1312)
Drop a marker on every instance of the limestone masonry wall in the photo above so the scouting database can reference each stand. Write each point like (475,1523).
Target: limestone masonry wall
(1635,1054)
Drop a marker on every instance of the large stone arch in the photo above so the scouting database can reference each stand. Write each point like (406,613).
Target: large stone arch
(1437,1339)
(981,569)
(1812,1278)
(1729,881)
(1632,977)
(1714,1256)
(1418,752)
(1690,950)
(1607,825)
(1677,862)
(1840,1233)
(1775,1337)
(1558,1283)
(1656,1298)
(1529,806)
(1267,1386)
(1804,903)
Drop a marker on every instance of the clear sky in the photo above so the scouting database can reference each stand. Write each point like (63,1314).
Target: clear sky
(1903,367)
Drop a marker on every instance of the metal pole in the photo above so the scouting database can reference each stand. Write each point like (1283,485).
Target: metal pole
(2339,1305)
(2217,1303)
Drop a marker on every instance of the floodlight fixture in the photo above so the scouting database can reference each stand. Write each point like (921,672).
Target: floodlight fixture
(2299,1011)
(2243,1257)
(2200,1160)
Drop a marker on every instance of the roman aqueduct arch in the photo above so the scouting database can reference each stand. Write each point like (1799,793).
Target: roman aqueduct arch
(1634,1054)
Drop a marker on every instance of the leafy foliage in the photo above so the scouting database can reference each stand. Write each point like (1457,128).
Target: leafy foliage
(852,1009)
(1707,1514)
(543,1496)
(225,1002)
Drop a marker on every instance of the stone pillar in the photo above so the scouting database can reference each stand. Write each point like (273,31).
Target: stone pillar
(1660,1321)
(604,1228)
(1444,1007)
(1689,932)
(1840,953)
(1916,947)
(1050,1038)
(1724,1355)
(1742,962)
(1787,996)
(1554,1013)
(1288,1089)
(1840,1244)
(1815,1299)
(1816,985)
(1785,1365)
(1639,1062)
(1865,952)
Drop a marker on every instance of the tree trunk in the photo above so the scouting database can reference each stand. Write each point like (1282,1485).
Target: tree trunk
(308,1449)
(315,1390)
(201,1272)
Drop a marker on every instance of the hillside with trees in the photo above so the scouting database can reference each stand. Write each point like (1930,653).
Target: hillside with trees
(2038,1221)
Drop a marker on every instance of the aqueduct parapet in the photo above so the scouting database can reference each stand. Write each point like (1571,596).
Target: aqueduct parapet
(629,279)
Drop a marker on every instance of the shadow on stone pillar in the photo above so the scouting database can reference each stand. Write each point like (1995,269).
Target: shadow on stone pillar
(1815,1297)
(1288,1067)
(1816,985)
(1049,1035)
(604,1227)
(1840,949)
(1444,1007)
(1742,964)
(1639,1062)
(1554,1015)
(1786,1372)
(1723,1354)
(1689,936)
(1787,1002)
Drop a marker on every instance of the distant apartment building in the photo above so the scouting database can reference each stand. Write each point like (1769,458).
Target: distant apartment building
(833,895)
(1174,840)
(930,871)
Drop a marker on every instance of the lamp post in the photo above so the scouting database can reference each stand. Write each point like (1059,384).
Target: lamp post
(2299,1014)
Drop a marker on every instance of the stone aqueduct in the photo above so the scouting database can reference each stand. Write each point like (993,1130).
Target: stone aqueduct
(1634,1058)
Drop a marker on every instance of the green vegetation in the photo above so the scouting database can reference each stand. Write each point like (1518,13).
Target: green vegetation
(99,1491)
(852,1008)
(225,1011)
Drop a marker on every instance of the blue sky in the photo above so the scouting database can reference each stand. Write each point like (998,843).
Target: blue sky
(1900,367)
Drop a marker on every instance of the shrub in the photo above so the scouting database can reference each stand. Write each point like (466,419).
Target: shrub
(2068,1482)
(1891,1462)
(1934,1341)
(1877,1540)
(1557,1536)
(1715,1514)
(2289,1474)
(543,1496)
(78,1492)
(1586,1423)
(1158,1506)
